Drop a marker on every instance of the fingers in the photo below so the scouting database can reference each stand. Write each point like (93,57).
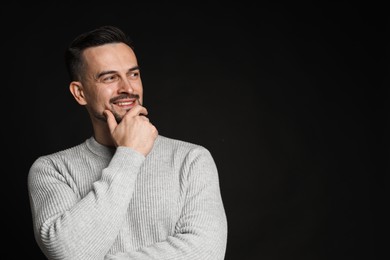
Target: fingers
(138,111)
(110,120)
(134,129)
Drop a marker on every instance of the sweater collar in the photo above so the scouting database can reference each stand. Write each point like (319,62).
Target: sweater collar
(99,149)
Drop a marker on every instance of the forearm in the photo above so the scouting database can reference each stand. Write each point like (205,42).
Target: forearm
(82,227)
(201,231)
(207,245)
(174,249)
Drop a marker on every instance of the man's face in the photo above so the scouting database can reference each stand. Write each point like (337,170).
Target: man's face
(111,81)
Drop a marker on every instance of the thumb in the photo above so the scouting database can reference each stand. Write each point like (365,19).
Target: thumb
(111,122)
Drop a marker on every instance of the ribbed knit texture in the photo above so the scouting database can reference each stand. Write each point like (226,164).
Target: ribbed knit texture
(93,202)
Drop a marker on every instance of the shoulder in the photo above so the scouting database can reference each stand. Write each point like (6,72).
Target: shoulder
(180,150)
(60,157)
(178,145)
(194,161)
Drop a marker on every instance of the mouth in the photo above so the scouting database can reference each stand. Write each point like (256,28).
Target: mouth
(125,103)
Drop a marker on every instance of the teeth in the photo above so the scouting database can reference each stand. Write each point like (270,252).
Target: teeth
(125,103)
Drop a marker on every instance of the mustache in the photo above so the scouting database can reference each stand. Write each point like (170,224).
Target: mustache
(124,96)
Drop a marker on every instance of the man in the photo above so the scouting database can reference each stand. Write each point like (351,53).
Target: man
(126,192)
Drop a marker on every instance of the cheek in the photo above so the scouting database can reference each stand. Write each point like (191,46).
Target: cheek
(139,90)
(102,96)
(105,93)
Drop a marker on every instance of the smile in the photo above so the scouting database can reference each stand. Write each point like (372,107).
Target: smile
(127,103)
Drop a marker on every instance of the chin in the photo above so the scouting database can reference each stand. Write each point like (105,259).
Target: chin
(118,117)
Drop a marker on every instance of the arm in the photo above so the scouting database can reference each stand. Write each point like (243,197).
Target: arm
(67,226)
(201,232)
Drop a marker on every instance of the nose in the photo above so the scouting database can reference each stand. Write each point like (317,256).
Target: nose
(125,86)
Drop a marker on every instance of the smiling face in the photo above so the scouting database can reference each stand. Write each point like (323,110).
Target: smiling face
(111,80)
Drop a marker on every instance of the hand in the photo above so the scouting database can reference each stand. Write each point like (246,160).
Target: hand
(134,131)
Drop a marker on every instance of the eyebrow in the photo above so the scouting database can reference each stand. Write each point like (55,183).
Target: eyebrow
(114,71)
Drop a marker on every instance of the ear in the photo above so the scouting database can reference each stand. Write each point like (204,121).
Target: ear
(76,88)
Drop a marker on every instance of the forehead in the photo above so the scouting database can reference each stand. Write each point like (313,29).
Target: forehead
(113,56)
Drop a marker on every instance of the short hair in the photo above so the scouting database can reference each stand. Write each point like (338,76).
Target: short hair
(96,37)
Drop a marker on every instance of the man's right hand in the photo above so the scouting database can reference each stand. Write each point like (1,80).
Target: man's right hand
(134,131)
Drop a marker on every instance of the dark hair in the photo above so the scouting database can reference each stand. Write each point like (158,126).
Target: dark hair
(99,36)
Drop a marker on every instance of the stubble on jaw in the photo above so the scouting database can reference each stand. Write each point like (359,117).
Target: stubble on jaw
(102,117)
(118,117)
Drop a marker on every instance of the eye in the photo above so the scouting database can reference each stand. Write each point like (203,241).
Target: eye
(110,78)
(134,74)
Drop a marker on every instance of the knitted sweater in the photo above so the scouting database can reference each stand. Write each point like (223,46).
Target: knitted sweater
(95,202)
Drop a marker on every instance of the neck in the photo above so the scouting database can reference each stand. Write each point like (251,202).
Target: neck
(102,134)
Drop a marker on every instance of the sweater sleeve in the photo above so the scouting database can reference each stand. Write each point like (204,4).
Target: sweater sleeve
(67,226)
(201,232)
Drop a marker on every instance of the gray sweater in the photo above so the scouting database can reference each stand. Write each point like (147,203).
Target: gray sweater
(95,202)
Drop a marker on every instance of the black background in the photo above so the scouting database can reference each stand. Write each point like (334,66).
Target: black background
(291,99)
